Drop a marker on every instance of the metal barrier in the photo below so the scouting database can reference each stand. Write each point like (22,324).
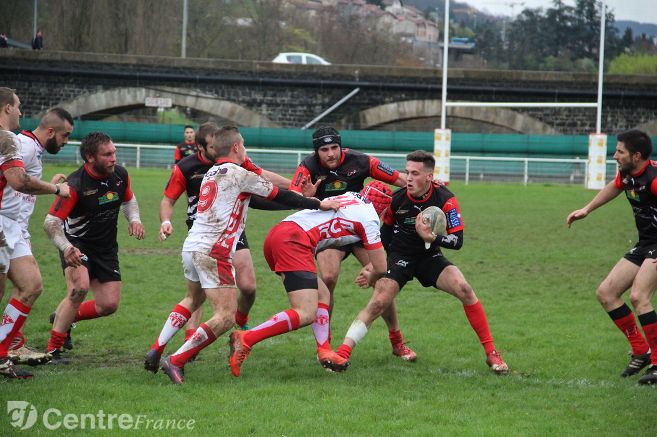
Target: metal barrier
(464,168)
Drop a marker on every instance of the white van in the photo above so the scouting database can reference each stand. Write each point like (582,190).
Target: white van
(300,58)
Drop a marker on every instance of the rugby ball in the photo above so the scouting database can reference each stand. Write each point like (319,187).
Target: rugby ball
(436,219)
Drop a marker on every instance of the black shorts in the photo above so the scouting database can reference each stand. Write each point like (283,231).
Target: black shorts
(102,265)
(641,251)
(426,268)
(242,242)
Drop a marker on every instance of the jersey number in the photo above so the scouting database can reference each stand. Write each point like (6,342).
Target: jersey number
(207,195)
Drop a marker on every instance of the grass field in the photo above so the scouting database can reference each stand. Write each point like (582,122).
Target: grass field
(535,277)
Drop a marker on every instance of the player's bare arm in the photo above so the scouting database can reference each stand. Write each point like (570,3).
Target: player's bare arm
(19,180)
(609,192)
(131,211)
(276,179)
(401,180)
(54,227)
(166,213)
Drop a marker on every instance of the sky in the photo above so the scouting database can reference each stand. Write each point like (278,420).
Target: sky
(643,11)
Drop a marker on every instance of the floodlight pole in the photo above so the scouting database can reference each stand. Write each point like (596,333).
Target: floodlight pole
(601,65)
(443,106)
(183,44)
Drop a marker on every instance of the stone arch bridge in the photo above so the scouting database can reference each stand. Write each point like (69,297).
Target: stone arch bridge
(261,94)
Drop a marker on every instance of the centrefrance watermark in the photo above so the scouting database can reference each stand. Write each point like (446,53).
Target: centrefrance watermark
(23,415)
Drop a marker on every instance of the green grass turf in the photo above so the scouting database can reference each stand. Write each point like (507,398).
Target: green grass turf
(535,277)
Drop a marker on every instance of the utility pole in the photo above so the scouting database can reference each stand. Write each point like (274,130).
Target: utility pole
(36,15)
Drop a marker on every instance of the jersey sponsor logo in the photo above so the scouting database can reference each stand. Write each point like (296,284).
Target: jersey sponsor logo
(385,168)
(335,186)
(89,192)
(453,218)
(632,195)
(351,173)
(402,263)
(335,228)
(409,220)
(110,196)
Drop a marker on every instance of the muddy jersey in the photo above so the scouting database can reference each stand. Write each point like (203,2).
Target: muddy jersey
(222,207)
(641,191)
(10,204)
(403,210)
(31,151)
(356,220)
(91,213)
(350,175)
(186,177)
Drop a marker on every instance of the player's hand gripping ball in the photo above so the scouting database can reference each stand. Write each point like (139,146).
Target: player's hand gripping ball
(435,217)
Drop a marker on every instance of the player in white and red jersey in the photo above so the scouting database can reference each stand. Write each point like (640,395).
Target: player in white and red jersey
(51,135)
(12,173)
(210,244)
(290,248)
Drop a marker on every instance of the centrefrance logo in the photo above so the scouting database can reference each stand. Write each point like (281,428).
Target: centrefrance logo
(23,415)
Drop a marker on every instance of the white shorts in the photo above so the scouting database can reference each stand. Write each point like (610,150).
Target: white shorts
(210,272)
(14,245)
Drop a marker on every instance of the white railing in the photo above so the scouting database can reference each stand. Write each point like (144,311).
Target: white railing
(465,168)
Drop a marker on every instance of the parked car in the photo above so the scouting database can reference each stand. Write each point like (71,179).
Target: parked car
(300,58)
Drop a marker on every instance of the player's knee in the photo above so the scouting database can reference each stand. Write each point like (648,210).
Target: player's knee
(330,279)
(638,298)
(378,304)
(77,295)
(107,309)
(604,294)
(464,291)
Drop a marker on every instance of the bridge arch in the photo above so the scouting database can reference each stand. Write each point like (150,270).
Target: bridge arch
(136,96)
(410,109)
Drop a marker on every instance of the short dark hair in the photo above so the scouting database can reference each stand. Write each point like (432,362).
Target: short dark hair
(636,141)
(58,113)
(90,144)
(208,128)
(6,96)
(224,139)
(424,157)
(325,135)
(188,126)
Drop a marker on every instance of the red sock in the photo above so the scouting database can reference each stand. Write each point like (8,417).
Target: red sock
(624,320)
(344,351)
(17,342)
(649,324)
(395,337)
(189,332)
(241,319)
(87,311)
(56,340)
(477,318)
(280,323)
(201,338)
(12,320)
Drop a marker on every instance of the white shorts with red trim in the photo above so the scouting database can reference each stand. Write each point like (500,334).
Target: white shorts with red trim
(210,272)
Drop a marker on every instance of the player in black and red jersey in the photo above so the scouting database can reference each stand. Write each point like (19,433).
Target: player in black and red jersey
(334,170)
(188,147)
(637,177)
(83,228)
(186,177)
(404,235)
